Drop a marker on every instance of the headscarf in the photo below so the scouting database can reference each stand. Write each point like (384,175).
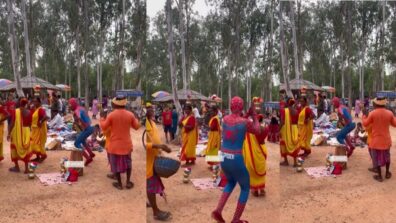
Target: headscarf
(73,103)
(336,102)
(236,104)
(23,102)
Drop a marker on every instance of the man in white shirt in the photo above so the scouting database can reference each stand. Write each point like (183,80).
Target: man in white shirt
(56,122)
(196,112)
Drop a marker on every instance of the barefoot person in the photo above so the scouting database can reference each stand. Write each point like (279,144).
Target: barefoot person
(305,127)
(380,142)
(289,132)
(82,120)
(234,129)
(189,136)
(120,146)
(39,131)
(255,155)
(214,136)
(346,119)
(3,118)
(154,183)
(19,134)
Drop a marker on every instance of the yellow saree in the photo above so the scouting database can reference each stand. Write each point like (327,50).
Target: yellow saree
(214,140)
(38,135)
(152,137)
(189,142)
(305,131)
(255,156)
(289,137)
(20,139)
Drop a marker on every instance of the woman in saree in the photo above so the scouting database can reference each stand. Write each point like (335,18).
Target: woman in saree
(39,131)
(3,118)
(19,134)
(189,136)
(255,156)
(214,137)
(153,149)
(289,132)
(305,127)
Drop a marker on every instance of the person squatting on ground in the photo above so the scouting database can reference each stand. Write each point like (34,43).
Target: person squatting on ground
(234,129)
(82,120)
(380,139)
(153,149)
(120,145)
(39,131)
(346,119)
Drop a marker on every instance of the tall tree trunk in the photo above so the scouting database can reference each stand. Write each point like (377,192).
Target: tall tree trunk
(382,46)
(14,48)
(187,36)
(349,56)
(300,40)
(182,41)
(294,39)
(122,33)
(78,58)
(342,72)
(86,33)
(32,42)
(285,65)
(26,37)
(271,52)
(230,75)
(171,52)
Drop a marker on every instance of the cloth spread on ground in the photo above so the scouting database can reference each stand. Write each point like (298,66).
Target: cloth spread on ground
(203,183)
(49,179)
(318,172)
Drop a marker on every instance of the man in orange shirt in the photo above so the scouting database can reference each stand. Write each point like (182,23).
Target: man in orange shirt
(120,146)
(380,119)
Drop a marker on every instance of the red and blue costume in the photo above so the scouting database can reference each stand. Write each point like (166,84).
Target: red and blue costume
(233,166)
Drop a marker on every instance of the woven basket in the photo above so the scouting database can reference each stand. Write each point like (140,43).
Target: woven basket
(166,167)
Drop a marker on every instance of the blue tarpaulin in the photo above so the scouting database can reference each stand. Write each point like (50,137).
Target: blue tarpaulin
(271,104)
(387,94)
(129,93)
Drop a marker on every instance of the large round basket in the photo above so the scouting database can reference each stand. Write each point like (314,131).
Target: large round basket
(166,167)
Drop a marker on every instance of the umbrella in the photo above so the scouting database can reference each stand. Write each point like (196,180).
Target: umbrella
(329,89)
(31,83)
(64,87)
(160,94)
(4,82)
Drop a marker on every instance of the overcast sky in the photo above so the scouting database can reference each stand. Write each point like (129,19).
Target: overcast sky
(154,6)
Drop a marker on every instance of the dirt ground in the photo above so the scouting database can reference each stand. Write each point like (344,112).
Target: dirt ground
(291,197)
(91,199)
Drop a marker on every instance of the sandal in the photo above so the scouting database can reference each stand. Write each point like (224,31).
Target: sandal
(129,185)
(217,216)
(378,178)
(117,185)
(388,175)
(162,216)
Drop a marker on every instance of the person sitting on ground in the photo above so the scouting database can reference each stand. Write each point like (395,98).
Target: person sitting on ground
(56,122)
(380,119)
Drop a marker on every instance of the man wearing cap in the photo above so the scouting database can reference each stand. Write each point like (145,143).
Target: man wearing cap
(379,146)
(346,118)
(82,120)
(120,147)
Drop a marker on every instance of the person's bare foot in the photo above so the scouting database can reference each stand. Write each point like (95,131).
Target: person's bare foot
(374,170)
(378,178)
(388,175)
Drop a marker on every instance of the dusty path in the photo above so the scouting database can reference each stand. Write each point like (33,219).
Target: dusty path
(91,199)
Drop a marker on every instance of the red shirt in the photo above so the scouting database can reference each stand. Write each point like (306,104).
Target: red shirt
(26,120)
(380,120)
(261,137)
(167,118)
(294,118)
(214,126)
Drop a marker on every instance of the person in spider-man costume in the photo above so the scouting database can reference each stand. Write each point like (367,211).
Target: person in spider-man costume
(233,166)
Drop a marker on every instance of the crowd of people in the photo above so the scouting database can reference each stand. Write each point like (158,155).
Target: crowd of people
(29,120)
